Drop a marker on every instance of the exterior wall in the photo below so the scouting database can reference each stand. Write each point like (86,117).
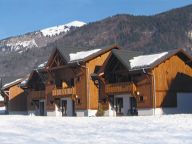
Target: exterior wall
(93,93)
(2,104)
(49,98)
(30,105)
(81,90)
(89,113)
(161,111)
(17,100)
(145,111)
(18,113)
(51,113)
(69,106)
(126,103)
(171,77)
(145,89)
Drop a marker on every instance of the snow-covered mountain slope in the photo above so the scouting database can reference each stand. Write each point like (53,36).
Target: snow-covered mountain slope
(17,46)
(37,39)
(56,30)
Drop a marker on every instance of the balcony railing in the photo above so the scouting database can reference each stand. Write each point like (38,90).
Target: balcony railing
(119,88)
(64,92)
(36,95)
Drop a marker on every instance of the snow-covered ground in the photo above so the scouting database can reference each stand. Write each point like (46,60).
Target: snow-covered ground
(172,129)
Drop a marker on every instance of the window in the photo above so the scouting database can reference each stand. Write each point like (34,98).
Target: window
(58,83)
(72,82)
(141,98)
(78,101)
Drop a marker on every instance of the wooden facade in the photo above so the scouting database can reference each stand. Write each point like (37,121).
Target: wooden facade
(67,80)
(15,98)
(152,87)
(104,80)
(172,76)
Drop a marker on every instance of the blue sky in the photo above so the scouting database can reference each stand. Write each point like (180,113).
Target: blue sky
(21,16)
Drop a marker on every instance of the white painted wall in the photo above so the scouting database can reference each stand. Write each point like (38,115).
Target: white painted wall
(89,113)
(69,106)
(51,113)
(126,103)
(145,111)
(81,113)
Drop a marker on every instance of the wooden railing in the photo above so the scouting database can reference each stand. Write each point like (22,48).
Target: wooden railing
(38,95)
(119,88)
(64,91)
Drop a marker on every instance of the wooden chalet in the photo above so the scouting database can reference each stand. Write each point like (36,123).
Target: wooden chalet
(64,87)
(36,92)
(136,84)
(15,98)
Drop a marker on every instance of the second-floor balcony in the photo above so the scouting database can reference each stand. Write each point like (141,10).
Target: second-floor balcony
(61,92)
(120,88)
(36,95)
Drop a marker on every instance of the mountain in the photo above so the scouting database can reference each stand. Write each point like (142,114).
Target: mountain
(37,39)
(161,32)
(20,54)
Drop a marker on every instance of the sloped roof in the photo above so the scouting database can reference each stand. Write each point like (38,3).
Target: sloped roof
(10,84)
(135,60)
(83,54)
(124,56)
(26,80)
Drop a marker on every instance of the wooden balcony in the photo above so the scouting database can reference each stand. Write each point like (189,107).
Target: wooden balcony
(36,95)
(63,92)
(120,88)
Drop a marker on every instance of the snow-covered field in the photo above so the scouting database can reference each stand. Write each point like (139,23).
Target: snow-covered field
(172,129)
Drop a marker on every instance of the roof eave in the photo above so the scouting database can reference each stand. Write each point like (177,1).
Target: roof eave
(100,52)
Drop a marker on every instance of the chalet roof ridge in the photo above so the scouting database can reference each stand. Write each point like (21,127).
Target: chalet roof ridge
(171,53)
(66,51)
(103,50)
(123,56)
(12,83)
(126,56)
(164,57)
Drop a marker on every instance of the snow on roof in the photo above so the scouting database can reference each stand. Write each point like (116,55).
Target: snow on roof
(7,84)
(42,65)
(52,31)
(82,54)
(24,82)
(145,60)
